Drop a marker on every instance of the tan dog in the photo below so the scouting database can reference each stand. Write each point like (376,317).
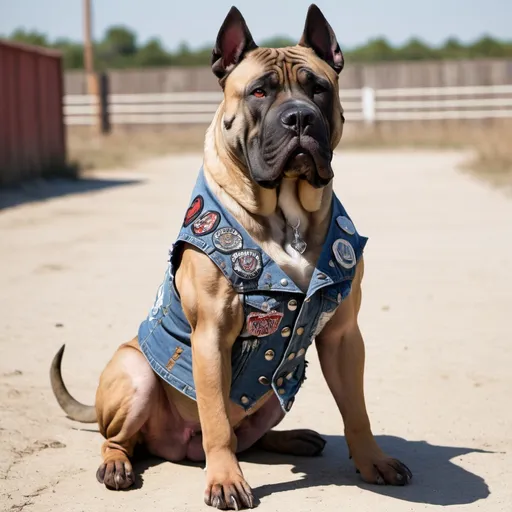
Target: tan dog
(267,162)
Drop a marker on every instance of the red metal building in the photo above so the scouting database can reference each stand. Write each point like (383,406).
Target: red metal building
(32,133)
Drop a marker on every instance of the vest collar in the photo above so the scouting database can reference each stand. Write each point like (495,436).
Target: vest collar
(327,272)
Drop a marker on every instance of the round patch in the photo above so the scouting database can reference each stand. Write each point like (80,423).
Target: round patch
(227,240)
(346,225)
(194,210)
(206,223)
(344,253)
(247,263)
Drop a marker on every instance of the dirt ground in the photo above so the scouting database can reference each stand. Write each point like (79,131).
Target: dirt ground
(81,263)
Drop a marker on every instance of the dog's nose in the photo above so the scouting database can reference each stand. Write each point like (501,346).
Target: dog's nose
(297,118)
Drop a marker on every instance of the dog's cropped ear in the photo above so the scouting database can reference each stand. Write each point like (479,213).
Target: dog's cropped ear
(233,42)
(319,36)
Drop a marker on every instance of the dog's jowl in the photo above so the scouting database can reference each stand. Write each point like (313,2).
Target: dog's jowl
(267,262)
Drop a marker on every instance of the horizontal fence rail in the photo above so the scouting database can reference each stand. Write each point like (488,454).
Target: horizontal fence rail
(366,104)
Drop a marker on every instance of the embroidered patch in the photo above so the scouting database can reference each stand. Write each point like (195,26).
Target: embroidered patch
(206,223)
(263,324)
(194,210)
(344,253)
(346,225)
(227,240)
(247,264)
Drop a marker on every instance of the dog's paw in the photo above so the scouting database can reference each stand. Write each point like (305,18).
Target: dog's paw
(116,475)
(373,464)
(385,470)
(232,494)
(226,487)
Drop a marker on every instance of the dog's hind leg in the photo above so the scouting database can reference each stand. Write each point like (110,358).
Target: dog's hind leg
(256,431)
(126,391)
(301,442)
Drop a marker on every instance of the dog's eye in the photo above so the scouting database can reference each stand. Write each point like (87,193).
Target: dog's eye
(318,89)
(259,93)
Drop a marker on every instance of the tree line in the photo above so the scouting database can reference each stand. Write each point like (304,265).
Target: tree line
(119,48)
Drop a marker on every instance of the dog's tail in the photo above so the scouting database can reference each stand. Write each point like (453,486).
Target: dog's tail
(74,409)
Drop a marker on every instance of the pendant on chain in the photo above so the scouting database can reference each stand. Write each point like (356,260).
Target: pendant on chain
(298,243)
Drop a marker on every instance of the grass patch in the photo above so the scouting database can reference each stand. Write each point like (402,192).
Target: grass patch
(127,147)
(488,141)
(493,159)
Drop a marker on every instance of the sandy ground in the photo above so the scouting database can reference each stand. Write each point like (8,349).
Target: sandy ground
(83,268)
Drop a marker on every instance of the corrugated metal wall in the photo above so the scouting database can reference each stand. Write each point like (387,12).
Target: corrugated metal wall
(32,137)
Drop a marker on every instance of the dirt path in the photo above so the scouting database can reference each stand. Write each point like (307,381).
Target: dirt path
(83,268)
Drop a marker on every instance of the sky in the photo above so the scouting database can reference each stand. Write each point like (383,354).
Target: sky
(197,21)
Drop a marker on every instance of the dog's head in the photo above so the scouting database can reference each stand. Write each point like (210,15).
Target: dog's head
(282,115)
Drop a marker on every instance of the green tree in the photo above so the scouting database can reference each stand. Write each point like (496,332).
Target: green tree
(152,54)
(487,47)
(183,49)
(414,49)
(185,57)
(452,49)
(119,49)
(72,53)
(278,42)
(29,37)
(375,50)
(120,40)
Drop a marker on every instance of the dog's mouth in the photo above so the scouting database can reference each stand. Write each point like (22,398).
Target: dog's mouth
(299,164)
(304,158)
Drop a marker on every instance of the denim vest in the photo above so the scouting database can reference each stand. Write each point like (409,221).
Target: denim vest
(280,320)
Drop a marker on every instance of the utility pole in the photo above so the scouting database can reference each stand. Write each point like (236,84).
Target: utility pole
(88,50)
(91,77)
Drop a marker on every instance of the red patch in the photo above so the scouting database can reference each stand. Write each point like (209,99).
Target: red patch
(195,209)
(263,324)
(206,223)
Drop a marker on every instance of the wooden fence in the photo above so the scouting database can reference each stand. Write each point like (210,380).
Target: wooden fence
(367,104)
(384,75)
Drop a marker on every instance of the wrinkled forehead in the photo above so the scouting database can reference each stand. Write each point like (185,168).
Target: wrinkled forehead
(284,62)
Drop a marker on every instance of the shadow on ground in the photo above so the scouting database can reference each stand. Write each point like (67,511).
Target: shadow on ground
(437,480)
(42,190)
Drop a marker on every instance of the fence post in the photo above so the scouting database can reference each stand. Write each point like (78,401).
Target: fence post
(104,93)
(93,91)
(368,101)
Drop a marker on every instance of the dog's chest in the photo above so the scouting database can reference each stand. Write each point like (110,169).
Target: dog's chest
(293,264)
(299,267)
(287,296)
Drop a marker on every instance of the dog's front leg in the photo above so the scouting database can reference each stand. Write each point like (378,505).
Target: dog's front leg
(215,314)
(341,352)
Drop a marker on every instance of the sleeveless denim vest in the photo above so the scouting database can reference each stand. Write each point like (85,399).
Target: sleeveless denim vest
(280,320)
